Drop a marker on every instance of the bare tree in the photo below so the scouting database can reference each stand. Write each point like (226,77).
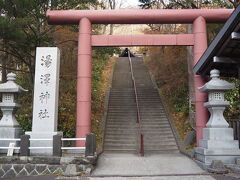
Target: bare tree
(235,3)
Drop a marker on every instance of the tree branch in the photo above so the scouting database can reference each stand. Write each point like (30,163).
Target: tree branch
(12,69)
(62,42)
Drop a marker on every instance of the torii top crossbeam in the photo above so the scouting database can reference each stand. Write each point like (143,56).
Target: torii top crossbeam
(137,16)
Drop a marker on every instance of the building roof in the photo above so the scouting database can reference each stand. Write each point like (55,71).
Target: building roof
(224,51)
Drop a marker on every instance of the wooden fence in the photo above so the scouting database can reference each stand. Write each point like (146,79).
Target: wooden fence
(235,124)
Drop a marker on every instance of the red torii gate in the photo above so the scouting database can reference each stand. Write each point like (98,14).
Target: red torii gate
(85,18)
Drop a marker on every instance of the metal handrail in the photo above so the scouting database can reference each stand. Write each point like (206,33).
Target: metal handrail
(137,105)
(73,148)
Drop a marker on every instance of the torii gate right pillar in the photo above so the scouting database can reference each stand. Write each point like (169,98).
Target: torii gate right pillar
(200,45)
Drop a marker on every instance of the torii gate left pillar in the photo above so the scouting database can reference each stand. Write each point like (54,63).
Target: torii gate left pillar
(84,76)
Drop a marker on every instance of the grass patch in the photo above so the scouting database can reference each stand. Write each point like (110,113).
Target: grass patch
(98,103)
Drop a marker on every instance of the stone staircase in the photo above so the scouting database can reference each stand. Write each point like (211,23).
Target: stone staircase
(121,128)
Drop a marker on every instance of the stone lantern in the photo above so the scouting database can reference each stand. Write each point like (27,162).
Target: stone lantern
(218,142)
(9,127)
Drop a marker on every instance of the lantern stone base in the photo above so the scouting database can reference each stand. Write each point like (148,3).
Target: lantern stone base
(217,144)
(41,143)
(9,133)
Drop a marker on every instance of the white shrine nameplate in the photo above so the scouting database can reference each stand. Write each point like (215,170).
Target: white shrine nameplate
(46,90)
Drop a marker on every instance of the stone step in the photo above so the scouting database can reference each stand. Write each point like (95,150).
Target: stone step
(118,133)
(122,118)
(132,94)
(158,122)
(134,109)
(123,102)
(122,90)
(131,118)
(122,128)
(121,136)
(134,114)
(133,105)
(132,102)
(154,118)
(147,130)
(108,146)
(128,151)
(122,125)
(129,124)
(120,141)
(162,136)
(139,90)
(159,113)
(132,135)
(157,141)
(112,131)
(156,127)
(113,138)
(169,151)
(157,133)
(159,138)
(143,109)
(133,123)
(160,147)
(144,115)
(119,123)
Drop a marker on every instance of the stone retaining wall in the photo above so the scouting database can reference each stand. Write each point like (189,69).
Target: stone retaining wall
(25,166)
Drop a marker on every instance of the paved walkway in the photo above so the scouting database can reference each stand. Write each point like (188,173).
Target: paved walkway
(150,165)
(178,177)
(157,178)
(152,178)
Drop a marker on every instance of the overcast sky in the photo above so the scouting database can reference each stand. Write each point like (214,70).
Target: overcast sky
(127,3)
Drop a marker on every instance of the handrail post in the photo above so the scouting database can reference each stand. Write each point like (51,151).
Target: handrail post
(57,145)
(24,145)
(90,145)
(142,145)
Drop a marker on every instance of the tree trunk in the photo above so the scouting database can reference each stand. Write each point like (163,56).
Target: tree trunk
(111,29)
(4,66)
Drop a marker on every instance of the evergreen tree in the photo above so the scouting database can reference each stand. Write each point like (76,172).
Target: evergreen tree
(23,27)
